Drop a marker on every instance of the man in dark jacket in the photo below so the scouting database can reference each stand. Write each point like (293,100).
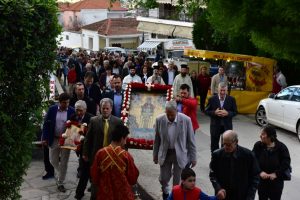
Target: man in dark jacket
(53,128)
(221,108)
(234,171)
(116,95)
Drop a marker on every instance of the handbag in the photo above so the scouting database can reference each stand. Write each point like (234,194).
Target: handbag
(287,174)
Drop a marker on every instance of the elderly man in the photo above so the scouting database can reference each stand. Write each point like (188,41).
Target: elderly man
(217,79)
(53,128)
(81,116)
(234,171)
(155,78)
(174,145)
(131,77)
(99,132)
(221,108)
(182,78)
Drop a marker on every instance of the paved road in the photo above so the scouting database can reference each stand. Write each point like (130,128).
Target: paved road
(248,135)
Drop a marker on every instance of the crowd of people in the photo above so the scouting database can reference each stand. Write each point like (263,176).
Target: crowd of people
(96,83)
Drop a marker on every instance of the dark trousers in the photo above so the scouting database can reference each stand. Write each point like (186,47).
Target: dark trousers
(84,176)
(48,167)
(215,134)
(270,190)
(203,95)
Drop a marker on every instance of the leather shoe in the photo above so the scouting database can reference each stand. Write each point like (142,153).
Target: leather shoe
(48,176)
(61,188)
(165,196)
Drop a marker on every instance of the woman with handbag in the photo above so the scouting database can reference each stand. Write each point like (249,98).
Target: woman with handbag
(274,161)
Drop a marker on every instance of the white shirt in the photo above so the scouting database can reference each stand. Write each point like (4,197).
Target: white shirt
(128,79)
(150,80)
(171,132)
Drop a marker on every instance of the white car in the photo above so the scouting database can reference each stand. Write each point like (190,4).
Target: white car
(281,109)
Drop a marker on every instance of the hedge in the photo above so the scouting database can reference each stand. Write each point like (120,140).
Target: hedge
(28,32)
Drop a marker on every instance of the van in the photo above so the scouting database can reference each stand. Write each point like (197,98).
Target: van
(115,50)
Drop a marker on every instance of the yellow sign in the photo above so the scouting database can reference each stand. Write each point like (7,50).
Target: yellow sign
(259,70)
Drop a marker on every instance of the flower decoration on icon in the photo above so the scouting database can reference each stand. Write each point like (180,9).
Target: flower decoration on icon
(140,143)
(73,136)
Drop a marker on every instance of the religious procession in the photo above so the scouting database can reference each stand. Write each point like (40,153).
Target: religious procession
(114,103)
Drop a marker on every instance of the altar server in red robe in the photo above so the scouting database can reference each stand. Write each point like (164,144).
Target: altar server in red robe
(113,170)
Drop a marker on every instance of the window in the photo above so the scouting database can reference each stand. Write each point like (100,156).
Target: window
(296,95)
(285,94)
(67,37)
(91,43)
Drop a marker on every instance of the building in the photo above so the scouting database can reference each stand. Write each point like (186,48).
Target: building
(119,32)
(166,22)
(74,15)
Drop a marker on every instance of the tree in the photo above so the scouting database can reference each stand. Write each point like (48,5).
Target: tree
(270,25)
(205,37)
(28,30)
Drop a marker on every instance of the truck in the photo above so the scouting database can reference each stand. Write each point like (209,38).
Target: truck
(169,49)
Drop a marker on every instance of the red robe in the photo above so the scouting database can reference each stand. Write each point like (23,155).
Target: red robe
(113,172)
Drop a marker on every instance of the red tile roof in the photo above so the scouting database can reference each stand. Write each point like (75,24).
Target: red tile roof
(62,6)
(114,26)
(94,4)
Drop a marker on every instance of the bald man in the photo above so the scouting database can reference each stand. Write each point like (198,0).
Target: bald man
(234,171)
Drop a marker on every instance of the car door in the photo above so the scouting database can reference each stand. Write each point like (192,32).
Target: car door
(275,107)
(292,111)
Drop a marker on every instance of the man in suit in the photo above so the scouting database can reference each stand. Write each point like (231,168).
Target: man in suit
(81,116)
(234,171)
(221,108)
(217,79)
(174,145)
(79,95)
(116,95)
(91,90)
(170,74)
(53,128)
(98,134)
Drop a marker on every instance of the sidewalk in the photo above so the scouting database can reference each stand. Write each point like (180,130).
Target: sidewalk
(35,188)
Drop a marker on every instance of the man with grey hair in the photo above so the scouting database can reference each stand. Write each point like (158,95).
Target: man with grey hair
(174,145)
(81,116)
(98,134)
(234,171)
(221,108)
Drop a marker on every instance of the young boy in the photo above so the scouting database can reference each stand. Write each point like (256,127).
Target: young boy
(187,190)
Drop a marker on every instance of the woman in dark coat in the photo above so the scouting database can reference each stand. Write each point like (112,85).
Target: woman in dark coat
(274,159)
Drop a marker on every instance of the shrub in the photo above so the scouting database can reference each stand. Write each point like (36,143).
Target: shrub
(28,30)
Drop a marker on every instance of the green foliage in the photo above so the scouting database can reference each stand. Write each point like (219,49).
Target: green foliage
(28,30)
(272,26)
(205,37)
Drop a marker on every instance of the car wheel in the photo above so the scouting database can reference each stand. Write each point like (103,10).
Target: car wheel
(298,130)
(260,117)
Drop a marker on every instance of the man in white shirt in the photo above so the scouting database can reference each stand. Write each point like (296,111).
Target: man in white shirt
(155,78)
(131,77)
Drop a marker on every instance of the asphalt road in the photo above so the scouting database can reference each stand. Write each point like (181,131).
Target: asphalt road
(248,134)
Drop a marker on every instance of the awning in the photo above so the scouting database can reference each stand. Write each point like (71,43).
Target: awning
(165,29)
(184,32)
(148,45)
